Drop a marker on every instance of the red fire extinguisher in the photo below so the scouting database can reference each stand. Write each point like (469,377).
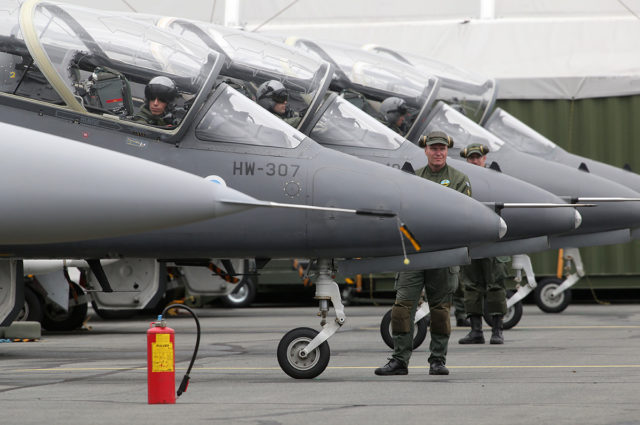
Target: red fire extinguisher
(161,363)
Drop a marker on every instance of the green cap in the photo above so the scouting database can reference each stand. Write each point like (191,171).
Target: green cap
(474,148)
(435,138)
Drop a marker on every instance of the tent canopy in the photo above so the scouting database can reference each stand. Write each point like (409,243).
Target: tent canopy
(535,50)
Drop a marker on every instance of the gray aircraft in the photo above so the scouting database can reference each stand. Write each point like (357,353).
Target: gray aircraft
(376,79)
(83,74)
(50,203)
(476,102)
(253,60)
(551,293)
(531,168)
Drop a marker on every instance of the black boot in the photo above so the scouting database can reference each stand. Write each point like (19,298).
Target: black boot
(496,330)
(438,368)
(393,367)
(475,336)
(463,323)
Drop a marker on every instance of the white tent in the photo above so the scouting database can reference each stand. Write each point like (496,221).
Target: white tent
(539,50)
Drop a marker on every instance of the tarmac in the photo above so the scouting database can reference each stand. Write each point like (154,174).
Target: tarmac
(581,366)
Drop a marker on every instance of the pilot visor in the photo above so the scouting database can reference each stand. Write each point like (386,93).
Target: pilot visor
(162,93)
(401,109)
(280,96)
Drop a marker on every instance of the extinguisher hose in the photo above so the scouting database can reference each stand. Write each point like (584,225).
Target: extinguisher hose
(185,380)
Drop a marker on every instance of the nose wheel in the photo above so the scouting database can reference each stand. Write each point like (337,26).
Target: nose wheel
(297,363)
(303,353)
(549,302)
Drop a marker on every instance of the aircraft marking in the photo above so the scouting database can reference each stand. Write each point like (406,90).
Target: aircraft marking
(248,168)
(136,143)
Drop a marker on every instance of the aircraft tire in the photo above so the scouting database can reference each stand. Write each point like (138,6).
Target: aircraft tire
(513,316)
(295,366)
(419,330)
(242,296)
(33,305)
(544,300)
(108,314)
(56,319)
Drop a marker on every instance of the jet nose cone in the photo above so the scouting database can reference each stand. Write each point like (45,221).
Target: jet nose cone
(577,220)
(492,187)
(607,216)
(503,228)
(438,217)
(102,203)
(444,218)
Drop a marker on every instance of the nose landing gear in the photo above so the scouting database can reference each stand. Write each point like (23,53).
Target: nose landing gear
(303,353)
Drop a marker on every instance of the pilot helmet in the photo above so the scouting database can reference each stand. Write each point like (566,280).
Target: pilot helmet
(271,92)
(393,108)
(162,88)
(435,138)
(474,148)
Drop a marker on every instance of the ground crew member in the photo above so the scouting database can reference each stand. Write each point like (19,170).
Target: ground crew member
(438,284)
(272,95)
(394,113)
(159,94)
(484,277)
(459,309)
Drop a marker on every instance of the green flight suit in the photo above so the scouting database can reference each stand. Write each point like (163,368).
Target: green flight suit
(439,285)
(291,117)
(144,115)
(293,121)
(485,277)
(460,182)
(394,127)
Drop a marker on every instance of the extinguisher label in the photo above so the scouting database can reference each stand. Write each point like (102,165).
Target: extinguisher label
(162,354)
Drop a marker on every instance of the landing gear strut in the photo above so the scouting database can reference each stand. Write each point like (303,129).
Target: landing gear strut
(303,353)
(553,295)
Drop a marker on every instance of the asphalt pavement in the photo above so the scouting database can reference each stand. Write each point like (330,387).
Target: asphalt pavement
(578,367)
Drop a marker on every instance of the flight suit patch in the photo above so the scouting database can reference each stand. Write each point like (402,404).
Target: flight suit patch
(445,182)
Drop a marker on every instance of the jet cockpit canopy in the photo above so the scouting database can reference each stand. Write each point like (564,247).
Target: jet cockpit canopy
(519,135)
(252,60)
(376,78)
(98,61)
(473,95)
(463,131)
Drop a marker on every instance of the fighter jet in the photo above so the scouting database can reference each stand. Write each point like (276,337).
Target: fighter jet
(49,203)
(253,60)
(83,75)
(549,293)
(598,227)
(474,96)
(377,79)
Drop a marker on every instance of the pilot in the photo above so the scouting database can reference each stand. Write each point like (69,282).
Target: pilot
(159,95)
(273,96)
(484,277)
(394,114)
(439,284)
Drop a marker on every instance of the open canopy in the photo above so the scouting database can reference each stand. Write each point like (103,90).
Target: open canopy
(98,63)
(472,94)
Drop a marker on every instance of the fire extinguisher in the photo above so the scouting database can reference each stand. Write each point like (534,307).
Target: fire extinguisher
(161,360)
